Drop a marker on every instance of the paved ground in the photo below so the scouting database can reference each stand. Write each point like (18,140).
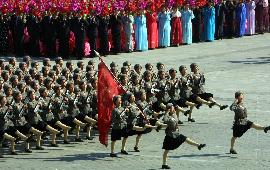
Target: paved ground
(229,65)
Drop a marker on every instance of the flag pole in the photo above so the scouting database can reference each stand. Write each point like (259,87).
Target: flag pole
(100,58)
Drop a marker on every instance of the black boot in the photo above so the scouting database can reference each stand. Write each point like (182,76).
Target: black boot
(180,122)
(191,120)
(223,107)
(201,146)
(136,149)
(113,155)
(124,152)
(165,167)
(266,129)
(232,151)
(187,112)
(28,150)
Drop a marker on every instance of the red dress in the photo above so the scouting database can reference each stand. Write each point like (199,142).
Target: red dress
(177,36)
(152,30)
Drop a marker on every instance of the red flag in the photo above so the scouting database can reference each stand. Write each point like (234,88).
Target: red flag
(107,88)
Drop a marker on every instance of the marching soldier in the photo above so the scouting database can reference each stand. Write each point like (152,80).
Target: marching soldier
(197,83)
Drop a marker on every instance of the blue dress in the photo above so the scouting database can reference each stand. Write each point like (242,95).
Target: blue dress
(141,33)
(187,16)
(164,29)
(209,23)
(241,19)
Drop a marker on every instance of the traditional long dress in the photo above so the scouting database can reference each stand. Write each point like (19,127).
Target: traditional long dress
(128,27)
(196,23)
(141,33)
(250,10)
(262,15)
(209,23)
(220,19)
(230,17)
(152,30)
(241,19)
(187,16)
(164,29)
(177,36)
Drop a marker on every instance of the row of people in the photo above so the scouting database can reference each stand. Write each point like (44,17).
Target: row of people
(50,34)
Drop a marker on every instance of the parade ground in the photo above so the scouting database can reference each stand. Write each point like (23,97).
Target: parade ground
(229,65)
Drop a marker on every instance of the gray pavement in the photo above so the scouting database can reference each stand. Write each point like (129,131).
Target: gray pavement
(229,65)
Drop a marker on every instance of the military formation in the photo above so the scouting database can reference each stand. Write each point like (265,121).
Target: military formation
(56,98)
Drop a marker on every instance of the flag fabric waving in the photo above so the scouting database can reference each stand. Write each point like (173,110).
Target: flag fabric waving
(108,87)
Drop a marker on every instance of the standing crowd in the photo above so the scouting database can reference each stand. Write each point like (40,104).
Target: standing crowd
(64,33)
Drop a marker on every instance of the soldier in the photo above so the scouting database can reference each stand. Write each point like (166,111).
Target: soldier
(186,90)
(197,83)
(163,94)
(173,138)
(45,71)
(27,59)
(137,120)
(113,64)
(23,67)
(47,115)
(39,77)
(93,97)
(5,76)
(32,72)
(149,67)
(73,110)
(69,66)
(84,105)
(20,122)
(135,85)
(3,125)
(58,111)
(241,123)
(119,125)
(59,60)
(48,83)
(14,81)
(8,92)
(2,64)
(137,70)
(174,92)
(46,62)
(35,65)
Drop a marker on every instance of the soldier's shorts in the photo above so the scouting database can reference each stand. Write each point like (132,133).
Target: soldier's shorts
(24,129)
(206,96)
(11,131)
(40,126)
